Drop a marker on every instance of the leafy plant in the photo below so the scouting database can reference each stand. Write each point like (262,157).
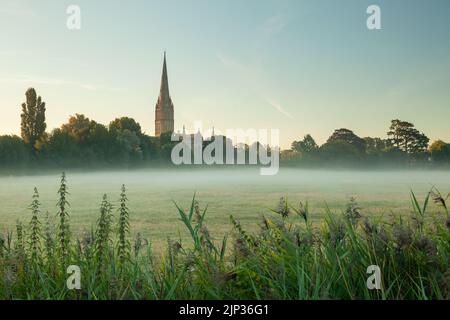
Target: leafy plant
(63,228)
(35,227)
(123,246)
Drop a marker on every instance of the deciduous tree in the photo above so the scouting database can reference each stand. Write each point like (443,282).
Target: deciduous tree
(405,137)
(350,137)
(305,146)
(440,151)
(33,119)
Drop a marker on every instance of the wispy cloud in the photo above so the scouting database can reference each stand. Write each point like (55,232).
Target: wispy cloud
(279,108)
(250,76)
(252,73)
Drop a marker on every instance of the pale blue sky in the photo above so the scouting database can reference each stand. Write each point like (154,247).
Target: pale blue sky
(300,66)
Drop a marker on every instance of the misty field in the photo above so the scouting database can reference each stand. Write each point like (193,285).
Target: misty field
(240,192)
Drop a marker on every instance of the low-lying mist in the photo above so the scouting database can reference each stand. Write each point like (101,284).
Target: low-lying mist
(241,192)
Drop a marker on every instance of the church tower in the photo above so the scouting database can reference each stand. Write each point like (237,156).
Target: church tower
(164,120)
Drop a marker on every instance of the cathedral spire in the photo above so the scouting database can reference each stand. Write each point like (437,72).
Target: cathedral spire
(164,120)
(164,91)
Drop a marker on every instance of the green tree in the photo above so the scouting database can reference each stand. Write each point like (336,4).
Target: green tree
(93,140)
(78,127)
(348,136)
(419,143)
(13,152)
(305,146)
(397,132)
(62,148)
(376,146)
(405,137)
(33,119)
(394,155)
(100,142)
(128,139)
(130,144)
(166,145)
(125,123)
(440,151)
(149,147)
(339,150)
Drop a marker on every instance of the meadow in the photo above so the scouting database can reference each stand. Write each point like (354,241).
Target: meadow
(288,255)
(240,192)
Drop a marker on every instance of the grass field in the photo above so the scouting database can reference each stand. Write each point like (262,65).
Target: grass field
(229,251)
(240,192)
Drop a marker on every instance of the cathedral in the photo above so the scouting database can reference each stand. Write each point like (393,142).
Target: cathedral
(164,119)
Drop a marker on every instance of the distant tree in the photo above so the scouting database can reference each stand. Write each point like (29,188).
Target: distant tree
(376,146)
(289,155)
(130,144)
(419,143)
(86,133)
(125,123)
(128,138)
(13,151)
(305,146)
(149,147)
(78,127)
(405,137)
(397,131)
(62,148)
(339,150)
(394,155)
(440,151)
(166,138)
(33,119)
(348,136)
(100,142)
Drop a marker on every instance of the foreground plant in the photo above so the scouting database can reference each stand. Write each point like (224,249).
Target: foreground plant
(63,228)
(123,245)
(35,227)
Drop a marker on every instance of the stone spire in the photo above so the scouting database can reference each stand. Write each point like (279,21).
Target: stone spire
(164,115)
(164,90)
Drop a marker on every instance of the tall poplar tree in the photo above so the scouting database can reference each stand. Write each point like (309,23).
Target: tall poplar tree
(33,119)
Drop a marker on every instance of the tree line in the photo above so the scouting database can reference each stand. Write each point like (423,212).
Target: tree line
(82,142)
(404,145)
